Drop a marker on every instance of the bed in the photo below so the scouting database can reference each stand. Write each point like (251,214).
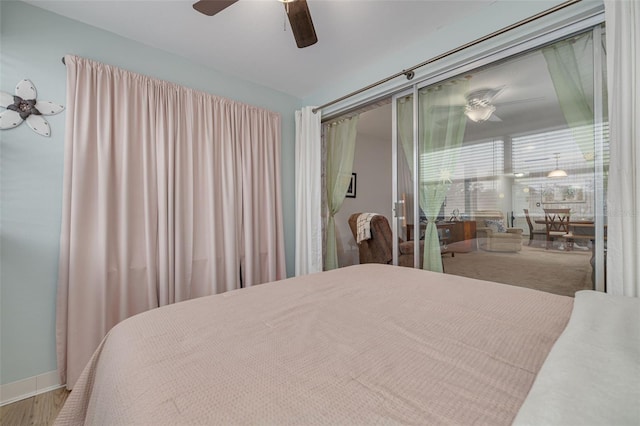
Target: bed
(366,344)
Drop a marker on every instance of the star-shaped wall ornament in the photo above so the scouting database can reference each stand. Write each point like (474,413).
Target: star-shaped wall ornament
(24,106)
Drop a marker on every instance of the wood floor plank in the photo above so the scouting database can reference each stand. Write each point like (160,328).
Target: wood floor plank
(19,413)
(40,410)
(47,406)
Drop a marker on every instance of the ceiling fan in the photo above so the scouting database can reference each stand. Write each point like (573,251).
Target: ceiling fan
(297,12)
(480,107)
(480,104)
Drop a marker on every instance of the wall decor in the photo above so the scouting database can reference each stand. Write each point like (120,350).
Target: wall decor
(351,190)
(563,194)
(23,106)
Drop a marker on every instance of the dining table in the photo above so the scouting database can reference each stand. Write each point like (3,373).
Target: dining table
(583,229)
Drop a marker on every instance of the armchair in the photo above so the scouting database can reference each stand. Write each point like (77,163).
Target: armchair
(493,235)
(379,249)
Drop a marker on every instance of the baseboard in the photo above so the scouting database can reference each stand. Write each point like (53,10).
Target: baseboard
(31,386)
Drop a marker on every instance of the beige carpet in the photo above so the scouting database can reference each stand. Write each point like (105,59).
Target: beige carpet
(552,270)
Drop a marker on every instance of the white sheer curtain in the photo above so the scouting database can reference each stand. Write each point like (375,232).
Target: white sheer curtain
(623,200)
(308,192)
(169,194)
(341,146)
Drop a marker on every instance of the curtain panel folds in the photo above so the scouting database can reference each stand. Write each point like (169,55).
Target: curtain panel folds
(573,84)
(623,194)
(308,192)
(441,132)
(169,194)
(341,147)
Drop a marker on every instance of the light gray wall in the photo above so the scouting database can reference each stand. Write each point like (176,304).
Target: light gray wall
(372,164)
(32,43)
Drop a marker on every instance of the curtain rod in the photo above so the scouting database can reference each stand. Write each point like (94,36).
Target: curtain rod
(409,73)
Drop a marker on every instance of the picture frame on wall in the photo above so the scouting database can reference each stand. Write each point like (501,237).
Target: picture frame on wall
(563,194)
(351,190)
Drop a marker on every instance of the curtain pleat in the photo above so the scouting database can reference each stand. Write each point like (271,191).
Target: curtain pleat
(169,194)
(262,252)
(341,146)
(308,192)
(623,194)
(573,85)
(442,127)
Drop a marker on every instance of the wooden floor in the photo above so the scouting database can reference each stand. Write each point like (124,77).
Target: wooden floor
(38,410)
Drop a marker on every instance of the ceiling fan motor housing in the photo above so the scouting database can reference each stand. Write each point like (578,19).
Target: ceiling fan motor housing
(297,12)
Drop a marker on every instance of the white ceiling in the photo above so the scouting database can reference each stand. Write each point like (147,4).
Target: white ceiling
(252,40)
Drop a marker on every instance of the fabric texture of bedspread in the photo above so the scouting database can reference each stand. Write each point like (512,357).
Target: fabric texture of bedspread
(367,344)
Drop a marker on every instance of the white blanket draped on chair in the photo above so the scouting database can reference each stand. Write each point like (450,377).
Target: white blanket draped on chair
(364,226)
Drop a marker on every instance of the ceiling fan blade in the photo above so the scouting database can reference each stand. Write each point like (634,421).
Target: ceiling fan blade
(483,95)
(494,117)
(211,7)
(301,23)
(520,101)
(493,93)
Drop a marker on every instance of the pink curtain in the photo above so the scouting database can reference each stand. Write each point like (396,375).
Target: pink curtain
(169,194)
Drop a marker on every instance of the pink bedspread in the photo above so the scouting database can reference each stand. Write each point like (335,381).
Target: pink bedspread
(367,344)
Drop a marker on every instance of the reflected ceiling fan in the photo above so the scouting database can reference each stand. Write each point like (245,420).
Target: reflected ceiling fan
(480,107)
(297,12)
(480,104)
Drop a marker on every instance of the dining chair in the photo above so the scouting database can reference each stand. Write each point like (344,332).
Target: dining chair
(533,231)
(557,224)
